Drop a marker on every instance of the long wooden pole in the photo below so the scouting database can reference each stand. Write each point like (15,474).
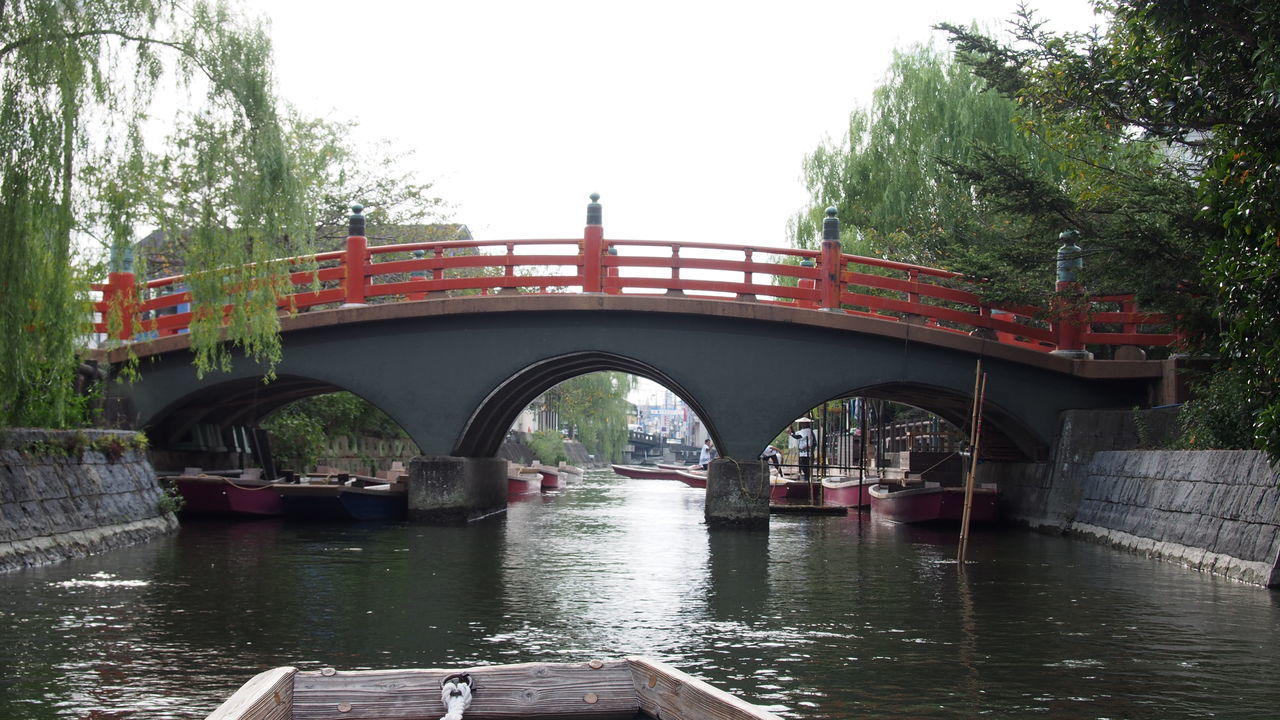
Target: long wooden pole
(975,433)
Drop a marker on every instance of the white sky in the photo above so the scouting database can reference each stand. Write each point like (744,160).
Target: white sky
(690,118)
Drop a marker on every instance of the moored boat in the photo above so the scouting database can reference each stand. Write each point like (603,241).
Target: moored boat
(600,689)
(379,502)
(782,488)
(678,466)
(644,472)
(218,494)
(934,503)
(847,491)
(692,478)
(522,480)
(312,499)
(551,479)
(570,474)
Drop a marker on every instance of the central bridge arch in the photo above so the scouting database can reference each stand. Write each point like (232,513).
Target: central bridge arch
(484,432)
(454,373)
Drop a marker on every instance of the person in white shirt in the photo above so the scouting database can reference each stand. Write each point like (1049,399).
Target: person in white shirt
(771,454)
(805,443)
(707,455)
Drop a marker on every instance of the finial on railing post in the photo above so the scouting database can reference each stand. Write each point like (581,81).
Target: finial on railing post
(831,266)
(592,247)
(355,221)
(356,257)
(831,225)
(1070,257)
(1070,321)
(416,275)
(595,212)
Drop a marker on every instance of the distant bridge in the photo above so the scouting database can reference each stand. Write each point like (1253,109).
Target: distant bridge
(453,339)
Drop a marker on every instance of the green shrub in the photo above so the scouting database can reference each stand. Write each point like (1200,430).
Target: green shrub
(548,447)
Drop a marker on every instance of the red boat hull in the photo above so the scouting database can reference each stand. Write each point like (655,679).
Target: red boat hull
(525,484)
(850,492)
(640,472)
(213,495)
(550,479)
(697,480)
(934,504)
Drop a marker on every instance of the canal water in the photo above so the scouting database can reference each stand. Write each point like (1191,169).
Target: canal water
(820,617)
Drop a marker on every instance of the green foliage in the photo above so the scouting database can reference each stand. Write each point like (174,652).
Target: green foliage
(299,429)
(888,177)
(170,500)
(1222,415)
(76,80)
(73,445)
(594,407)
(297,439)
(343,413)
(548,446)
(1187,95)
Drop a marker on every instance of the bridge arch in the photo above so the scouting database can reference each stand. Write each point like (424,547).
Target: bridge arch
(488,425)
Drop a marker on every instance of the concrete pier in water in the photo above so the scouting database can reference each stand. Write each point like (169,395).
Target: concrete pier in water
(449,490)
(737,493)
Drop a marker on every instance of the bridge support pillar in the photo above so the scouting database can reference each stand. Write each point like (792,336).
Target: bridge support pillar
(447,490)
(737,493)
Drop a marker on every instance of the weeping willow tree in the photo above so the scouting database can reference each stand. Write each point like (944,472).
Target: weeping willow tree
(76,82)
(890,176)
(594,407)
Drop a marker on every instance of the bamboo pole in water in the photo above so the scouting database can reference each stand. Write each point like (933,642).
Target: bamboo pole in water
(979,391)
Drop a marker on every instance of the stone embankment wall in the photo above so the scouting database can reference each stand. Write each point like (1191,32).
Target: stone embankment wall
(68,494)
(516,449)
(1215,511)
(366,455)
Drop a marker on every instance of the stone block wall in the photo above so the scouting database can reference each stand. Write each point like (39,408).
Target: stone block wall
(60,500)
(366,455)
(1217,511)
(1046,495)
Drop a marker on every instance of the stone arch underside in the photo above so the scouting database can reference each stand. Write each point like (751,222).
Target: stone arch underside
(454,379)
(487,427)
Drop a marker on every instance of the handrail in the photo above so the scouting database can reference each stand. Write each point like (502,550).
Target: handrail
(821,280)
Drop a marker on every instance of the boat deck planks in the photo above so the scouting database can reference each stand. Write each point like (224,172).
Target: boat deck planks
(268,696)
(528,690)
(598,690)
(670,694)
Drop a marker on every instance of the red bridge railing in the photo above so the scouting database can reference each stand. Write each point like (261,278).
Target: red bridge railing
(821,280)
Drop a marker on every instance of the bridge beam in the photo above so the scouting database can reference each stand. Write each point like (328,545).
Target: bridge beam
(454,490)
(737,493)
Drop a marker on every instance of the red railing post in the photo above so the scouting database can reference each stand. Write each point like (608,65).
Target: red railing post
(830,263)
(356,257)
(120,296)
(592,244)
(612,288)
(1070,316)
(509,275)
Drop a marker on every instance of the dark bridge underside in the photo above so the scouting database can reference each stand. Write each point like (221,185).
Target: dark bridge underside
(455,373)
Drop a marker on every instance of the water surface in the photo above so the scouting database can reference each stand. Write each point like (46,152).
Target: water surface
(820,617)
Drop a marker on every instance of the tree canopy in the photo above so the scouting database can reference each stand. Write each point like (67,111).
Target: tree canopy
(1192,90)
(594,408)
(240,179)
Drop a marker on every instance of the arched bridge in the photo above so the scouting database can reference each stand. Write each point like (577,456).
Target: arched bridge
(453,339)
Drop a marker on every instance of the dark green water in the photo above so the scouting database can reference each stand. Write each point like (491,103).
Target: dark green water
(821,617)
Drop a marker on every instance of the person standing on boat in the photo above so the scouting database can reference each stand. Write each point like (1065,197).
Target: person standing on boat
(805,442)
(707,455)
(771,454)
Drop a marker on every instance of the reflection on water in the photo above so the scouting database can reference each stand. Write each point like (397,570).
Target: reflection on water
(819,617)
